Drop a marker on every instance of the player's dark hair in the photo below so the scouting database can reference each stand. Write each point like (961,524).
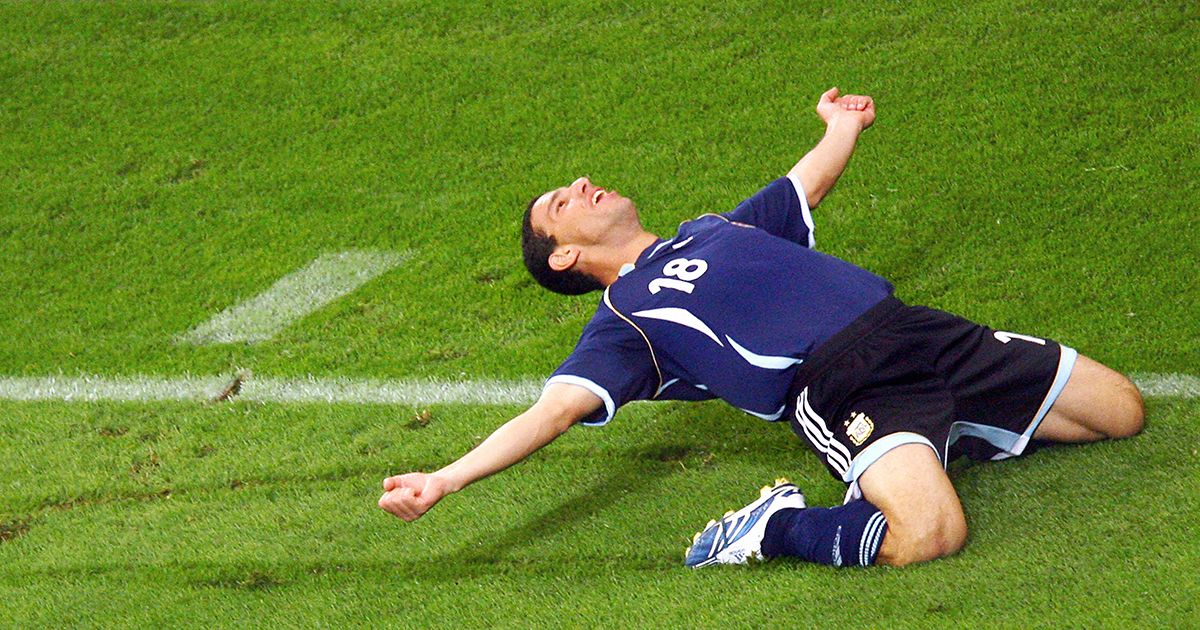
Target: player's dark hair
(537,247)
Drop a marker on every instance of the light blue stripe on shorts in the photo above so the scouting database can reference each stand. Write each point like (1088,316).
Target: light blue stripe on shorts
(1010,444)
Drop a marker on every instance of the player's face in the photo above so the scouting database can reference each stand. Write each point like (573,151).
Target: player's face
(583,214)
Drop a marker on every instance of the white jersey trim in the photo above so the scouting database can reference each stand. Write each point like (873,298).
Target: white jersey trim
(805,211)
(683,242)
(765,361)
(769,417)
(680,316)
(609,407)
(665,386)
(658,247)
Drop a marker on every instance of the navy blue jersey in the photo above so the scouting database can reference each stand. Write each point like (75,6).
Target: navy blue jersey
(726,309)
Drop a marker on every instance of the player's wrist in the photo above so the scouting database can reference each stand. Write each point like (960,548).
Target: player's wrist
(845,121)
(448,481)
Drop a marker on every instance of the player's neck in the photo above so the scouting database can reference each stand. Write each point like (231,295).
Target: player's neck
(606,264)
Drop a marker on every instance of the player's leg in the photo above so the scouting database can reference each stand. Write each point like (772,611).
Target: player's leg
(907,500)
(924,516)
(1097,403)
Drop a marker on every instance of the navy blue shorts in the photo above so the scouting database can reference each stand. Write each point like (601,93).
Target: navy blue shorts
(908,374)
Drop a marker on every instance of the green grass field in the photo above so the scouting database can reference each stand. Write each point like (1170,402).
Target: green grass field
(1033,167)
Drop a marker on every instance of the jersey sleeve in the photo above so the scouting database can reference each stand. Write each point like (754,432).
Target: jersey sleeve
(613,362)
(780,208)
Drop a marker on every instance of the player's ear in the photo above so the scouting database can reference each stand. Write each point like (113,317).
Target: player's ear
(564,257)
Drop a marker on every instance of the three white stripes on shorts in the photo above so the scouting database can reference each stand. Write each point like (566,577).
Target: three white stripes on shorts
(838,456)
(821,437)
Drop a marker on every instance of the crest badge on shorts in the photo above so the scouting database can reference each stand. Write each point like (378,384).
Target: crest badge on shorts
(859,428)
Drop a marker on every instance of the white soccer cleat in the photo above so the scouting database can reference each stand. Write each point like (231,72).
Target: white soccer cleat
(737,537)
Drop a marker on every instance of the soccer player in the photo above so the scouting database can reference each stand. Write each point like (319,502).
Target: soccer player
(739,306)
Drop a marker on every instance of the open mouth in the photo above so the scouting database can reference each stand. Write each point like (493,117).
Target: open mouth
(598,195)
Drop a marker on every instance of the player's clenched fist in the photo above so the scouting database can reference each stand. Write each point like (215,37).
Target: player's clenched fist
(857,106)
(411,495)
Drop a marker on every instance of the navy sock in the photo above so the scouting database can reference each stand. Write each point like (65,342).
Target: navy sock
(847,535)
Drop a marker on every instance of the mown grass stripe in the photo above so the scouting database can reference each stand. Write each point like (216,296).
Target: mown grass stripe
(293,296)
(366,391)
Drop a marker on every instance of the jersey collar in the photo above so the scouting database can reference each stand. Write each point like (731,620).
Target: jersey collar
(651,252)
(646,254)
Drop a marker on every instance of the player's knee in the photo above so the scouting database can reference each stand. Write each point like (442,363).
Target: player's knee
(945,539)
(930,540)
(1129,416)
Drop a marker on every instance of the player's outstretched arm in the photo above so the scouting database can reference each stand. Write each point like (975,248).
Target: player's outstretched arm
(561,406)
(845,118)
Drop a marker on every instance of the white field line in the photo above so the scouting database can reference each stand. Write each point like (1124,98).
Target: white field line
(88,388)
(293,296)
(1167,385)
(301,390)
(364,391)
(408,392)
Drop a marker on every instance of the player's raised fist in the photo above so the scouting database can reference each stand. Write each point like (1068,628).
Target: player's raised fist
(410,495)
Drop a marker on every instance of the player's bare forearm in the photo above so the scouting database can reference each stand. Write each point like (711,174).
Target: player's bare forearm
(410,495)
(820,169)
(845,117)
(512,442)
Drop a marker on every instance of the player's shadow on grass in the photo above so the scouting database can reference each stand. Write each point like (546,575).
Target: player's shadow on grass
(490,553)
